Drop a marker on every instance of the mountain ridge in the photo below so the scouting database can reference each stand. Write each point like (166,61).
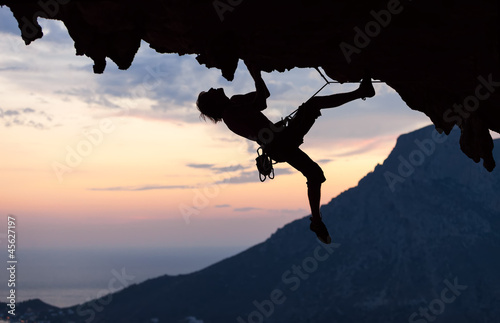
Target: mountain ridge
(386,242)
(417,249)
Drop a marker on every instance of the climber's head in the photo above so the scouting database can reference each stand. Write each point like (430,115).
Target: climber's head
(212,104)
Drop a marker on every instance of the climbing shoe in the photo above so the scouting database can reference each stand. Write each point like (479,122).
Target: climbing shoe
(366,88)
(317,226)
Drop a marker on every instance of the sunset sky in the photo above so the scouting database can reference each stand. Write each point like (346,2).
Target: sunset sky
(123,160)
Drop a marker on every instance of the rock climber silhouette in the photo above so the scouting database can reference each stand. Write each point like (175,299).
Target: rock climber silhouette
(243,115)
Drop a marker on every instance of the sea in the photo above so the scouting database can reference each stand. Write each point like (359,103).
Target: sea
(67,277)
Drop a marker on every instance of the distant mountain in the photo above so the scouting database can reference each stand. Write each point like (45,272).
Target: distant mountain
(416,241)
(30,311)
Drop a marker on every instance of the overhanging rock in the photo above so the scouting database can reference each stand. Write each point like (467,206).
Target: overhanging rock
(441,56)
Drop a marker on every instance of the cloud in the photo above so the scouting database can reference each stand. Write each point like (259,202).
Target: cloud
(247,209)
(12,68)
(8,23)
(285,212)
(357,151)
(228,169)
(244,177)
(284,171)
(220,206)
(253,176)
(325,161)
(362,147)
(27,117)
(9,113)
(298,211)
(201,166)
(171,84)
(293,211)
(168,83)
(142,188)
(217,170)
(89,96)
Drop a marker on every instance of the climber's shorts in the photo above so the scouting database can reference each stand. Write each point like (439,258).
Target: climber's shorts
(277,137)
(283,144)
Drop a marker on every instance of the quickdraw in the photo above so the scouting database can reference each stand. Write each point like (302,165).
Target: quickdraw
(264,165)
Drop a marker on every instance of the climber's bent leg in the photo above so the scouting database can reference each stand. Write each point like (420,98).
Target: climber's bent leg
(314,174)
(365,90)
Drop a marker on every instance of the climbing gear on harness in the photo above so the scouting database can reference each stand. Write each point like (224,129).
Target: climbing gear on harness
(264,165)
(284,122)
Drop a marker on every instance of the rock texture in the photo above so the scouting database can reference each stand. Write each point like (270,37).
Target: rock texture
(441,56)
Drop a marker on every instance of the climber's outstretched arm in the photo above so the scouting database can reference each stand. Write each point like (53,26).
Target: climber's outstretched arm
(257,99)
(262,92)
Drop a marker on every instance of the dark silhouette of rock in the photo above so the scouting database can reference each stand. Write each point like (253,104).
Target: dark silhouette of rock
(442,57)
